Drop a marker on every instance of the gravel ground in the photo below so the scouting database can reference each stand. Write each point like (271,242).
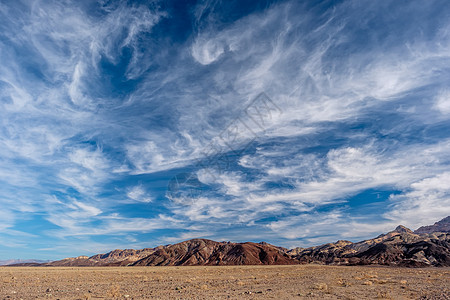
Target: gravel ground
(237,282)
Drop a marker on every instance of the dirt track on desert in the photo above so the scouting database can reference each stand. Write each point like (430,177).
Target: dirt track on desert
(237,282)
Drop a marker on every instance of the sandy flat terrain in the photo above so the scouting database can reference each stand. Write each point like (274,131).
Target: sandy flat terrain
(237,282)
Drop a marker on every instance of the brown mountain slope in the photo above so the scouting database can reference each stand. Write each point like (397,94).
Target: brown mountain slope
(80,261)
(123,257)
(341,250)
(207,252)
(114,258)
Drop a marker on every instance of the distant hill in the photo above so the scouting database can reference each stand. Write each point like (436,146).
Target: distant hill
(427,246)
(22,261)
(114,258)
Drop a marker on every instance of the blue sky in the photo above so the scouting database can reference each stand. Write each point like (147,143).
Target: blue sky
(129,124)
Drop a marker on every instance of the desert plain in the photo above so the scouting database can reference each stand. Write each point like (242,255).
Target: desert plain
(225,282)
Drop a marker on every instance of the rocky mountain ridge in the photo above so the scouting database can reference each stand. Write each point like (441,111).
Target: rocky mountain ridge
(400,247)
(440,226)
(427,246)
(187,253)
(207,252)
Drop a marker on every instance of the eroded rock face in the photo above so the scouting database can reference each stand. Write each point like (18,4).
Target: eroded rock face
(425,252)
(207,252)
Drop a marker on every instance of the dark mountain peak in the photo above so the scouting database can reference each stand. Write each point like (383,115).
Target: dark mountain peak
(402,229)
(198,241)
(440,226)
(343,243)
(445,220)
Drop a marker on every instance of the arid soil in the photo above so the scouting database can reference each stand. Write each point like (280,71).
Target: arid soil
(224,282)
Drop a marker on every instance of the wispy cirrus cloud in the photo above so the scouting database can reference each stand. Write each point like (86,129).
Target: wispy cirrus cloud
(102,103)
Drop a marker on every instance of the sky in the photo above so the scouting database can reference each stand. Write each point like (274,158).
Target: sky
(132,124)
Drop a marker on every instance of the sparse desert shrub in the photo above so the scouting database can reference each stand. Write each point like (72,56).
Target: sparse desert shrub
(383,295)
(114,291)
(342,282)
(321,287)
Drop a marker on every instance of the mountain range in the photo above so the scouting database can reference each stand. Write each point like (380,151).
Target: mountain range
(9,262)
(427,246)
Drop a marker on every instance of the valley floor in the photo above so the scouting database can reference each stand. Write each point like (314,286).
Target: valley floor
(234,282)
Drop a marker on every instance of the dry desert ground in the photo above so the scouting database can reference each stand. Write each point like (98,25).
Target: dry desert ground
(225,282)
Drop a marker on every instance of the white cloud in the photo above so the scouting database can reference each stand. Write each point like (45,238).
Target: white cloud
(91,160)
(139,194)
(207,51)
(87,210)
(75,88)
(443,102)
(86,170)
